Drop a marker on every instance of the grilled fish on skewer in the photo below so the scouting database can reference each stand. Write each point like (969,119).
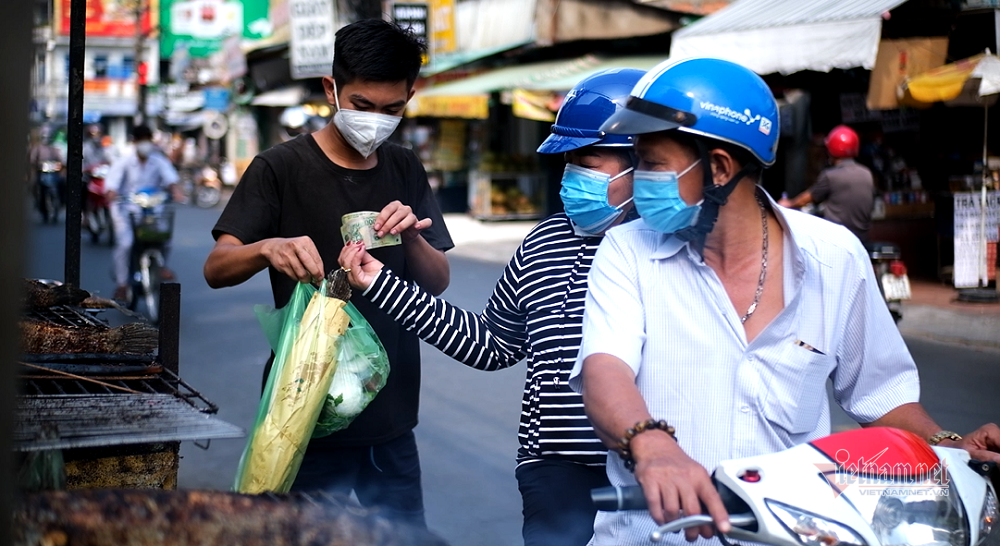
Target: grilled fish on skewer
(131,339)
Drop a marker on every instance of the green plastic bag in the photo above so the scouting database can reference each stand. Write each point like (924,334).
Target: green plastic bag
(362,369)
(305,335)
(362,363)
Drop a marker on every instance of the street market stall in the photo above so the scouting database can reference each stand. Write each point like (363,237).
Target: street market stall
(974,82)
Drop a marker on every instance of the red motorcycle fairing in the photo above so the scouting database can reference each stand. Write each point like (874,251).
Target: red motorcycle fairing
(882,451)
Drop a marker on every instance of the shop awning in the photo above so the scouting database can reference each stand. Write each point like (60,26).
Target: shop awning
(467,96)
(975,78)
(787,36)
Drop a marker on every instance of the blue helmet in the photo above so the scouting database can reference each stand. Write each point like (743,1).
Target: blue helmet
(587,105)
(709,97)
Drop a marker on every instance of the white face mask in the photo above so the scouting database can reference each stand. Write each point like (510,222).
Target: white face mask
(364,131)
(143,148)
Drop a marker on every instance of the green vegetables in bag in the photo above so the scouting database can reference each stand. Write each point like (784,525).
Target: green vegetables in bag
(363,367)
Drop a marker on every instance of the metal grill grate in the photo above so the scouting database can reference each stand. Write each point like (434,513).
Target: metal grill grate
(64,315)
(165,382)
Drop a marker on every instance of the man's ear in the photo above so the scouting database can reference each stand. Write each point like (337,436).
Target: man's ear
(410,96)
(329,88)
(724,166)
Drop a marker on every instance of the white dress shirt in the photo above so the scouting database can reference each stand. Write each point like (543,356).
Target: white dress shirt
(654,304)
(129,175)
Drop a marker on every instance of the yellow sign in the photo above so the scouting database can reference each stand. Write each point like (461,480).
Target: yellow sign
(442,26)
(467,107)
(536,105)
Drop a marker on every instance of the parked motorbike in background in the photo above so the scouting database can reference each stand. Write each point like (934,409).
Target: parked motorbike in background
(865,487)
(96,213)
(202,186)
(48,190)
(893,281)
(152,227)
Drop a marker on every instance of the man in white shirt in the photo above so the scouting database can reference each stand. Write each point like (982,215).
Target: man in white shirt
(713,322)
(145,168)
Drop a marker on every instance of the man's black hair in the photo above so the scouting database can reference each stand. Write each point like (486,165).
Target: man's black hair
(142,132)
(377,51)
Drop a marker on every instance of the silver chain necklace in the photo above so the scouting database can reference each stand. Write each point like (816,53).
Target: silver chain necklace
(763,262)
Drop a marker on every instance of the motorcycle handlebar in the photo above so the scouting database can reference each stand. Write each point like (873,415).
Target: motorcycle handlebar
(610,499)
(631,498)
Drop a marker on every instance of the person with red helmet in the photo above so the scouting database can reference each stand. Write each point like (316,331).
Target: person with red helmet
(846,187)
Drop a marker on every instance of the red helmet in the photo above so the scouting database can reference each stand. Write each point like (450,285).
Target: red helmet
(842,142)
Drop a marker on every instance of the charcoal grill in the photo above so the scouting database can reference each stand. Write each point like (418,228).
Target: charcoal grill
(110,412)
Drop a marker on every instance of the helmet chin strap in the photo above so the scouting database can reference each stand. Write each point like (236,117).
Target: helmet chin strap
(714,196)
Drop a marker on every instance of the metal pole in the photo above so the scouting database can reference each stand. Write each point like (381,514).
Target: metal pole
(15,64)
(140,88)
(983,266)
(74,139)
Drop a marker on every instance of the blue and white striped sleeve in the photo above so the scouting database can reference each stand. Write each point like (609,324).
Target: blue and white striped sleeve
(489,341)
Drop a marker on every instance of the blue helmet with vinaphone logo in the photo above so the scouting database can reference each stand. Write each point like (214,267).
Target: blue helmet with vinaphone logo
(708,97)
(586,107)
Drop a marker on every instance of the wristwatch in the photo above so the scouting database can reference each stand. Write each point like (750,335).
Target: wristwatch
(943,435)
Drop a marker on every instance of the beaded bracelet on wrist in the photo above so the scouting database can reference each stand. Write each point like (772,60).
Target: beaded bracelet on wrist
(624,449)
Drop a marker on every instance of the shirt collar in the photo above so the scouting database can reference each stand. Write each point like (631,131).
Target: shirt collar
(669,245)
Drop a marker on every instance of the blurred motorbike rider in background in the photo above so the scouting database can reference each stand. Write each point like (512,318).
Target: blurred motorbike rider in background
(536,310)
(713,322)
(143,168)
(94,153)
(47,160)
(846,187)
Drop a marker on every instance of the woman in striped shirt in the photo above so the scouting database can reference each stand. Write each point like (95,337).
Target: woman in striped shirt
(536,311)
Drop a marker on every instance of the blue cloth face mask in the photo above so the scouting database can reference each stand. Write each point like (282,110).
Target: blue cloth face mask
(658,200)
(584,194)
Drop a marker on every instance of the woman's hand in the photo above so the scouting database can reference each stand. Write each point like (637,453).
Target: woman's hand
(361,267)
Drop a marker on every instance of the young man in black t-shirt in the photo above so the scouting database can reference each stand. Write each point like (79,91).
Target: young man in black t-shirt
(285,215)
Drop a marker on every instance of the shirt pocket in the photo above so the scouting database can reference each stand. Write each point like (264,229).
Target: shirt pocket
(795,388)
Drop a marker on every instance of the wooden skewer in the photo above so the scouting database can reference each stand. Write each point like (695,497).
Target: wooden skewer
(81,378)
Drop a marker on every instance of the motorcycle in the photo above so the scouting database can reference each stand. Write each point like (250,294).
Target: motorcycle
(96,213)
(866,487)
(890,271)
(152,228)
(48,190)
(208,191)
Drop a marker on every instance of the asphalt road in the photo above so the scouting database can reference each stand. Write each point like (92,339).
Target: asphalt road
(467,433)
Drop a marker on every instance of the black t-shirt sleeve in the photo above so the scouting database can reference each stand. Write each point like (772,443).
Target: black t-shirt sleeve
(425,205)
(254,209)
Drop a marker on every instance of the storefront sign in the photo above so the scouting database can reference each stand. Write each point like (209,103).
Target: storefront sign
(466,107)
(972,237)
(313,25)
(854,110)
(412,15)
(442,26)
(201,26)
(110,18)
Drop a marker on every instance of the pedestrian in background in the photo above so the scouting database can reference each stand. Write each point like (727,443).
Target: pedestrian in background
(847,187)
(536,310)
(284,216)
(713,322)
